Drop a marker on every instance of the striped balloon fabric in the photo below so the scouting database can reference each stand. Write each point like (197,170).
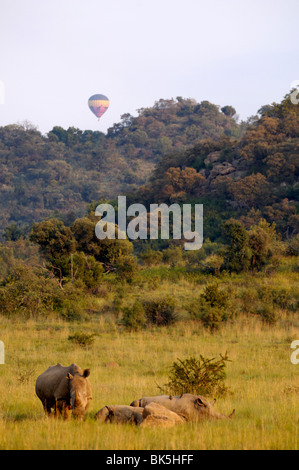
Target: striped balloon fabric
(98,104)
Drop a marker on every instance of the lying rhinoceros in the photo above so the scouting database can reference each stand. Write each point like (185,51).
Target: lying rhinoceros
(120,414)
(152,415)
(64,388)
(190,407)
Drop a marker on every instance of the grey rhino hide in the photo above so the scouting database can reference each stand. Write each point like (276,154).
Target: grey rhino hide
(64,389)
(120,414)
(188,406)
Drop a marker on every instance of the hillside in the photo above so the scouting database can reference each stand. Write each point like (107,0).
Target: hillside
(63,171)
(250,178)
(176,151)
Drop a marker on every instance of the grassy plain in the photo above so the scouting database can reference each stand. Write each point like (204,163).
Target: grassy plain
(263,383)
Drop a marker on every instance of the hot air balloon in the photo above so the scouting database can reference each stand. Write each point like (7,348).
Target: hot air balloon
(98,104)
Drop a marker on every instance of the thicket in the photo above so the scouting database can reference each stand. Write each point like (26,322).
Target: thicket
(66,271)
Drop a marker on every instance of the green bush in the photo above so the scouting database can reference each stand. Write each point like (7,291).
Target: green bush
(28,292)
(134,317)
(211,308)
(160,311)
(212,317)
(215,297)
(126,268)
(267,313)
(249,297)
(280,297)
(151,257)
(201,376)
(82,339)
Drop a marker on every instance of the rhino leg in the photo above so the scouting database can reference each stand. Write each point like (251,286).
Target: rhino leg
(62,409)
(47,409)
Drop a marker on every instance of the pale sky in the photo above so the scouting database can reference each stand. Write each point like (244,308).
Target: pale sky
(55,54)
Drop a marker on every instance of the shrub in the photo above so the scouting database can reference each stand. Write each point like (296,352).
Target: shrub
(72,301)
(281,297)
(212,317)
(267,313)
(215,297)
(160,311)
(151,257)
(82,339)
(27,292)
(173,255)
(201,376)
(211,308)
(134,317)
(249,297)
(126,268)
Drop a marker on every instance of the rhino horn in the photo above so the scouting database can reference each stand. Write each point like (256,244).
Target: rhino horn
(232,414)
(213,402)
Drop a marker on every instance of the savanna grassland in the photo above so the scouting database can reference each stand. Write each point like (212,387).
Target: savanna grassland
(129,308)
(263,384)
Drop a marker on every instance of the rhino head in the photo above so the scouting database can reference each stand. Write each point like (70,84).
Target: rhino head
(204,408)
(80,393)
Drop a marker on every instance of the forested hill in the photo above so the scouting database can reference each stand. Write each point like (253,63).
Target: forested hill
(176,151)
(63,171)
(248,179)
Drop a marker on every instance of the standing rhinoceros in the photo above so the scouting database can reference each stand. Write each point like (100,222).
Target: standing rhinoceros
(64,388)
(190,407)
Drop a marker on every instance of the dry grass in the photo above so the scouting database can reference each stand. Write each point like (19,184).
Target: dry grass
(263,383)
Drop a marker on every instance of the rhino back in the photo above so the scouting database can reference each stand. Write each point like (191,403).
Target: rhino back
(53,383)
(164,400)
(184,405)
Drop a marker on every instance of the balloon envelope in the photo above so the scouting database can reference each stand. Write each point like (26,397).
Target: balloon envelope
(98,104)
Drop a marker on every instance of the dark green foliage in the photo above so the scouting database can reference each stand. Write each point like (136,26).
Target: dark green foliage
(134,317)
(267,313)
(237,255)
(12,233)
(212,307)
(228,110)
(56,243)
(161,311)
(279,297)
(126,268)
(82,339)
(85,268)
(69,168)
(201,376)
(215,297)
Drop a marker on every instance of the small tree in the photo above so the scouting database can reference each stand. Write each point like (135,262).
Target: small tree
(237,255)
(201,376)
(160,311)
(261,241)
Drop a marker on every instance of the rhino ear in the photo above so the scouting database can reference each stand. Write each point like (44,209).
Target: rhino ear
(200,402)
(86,373)
(69,376)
